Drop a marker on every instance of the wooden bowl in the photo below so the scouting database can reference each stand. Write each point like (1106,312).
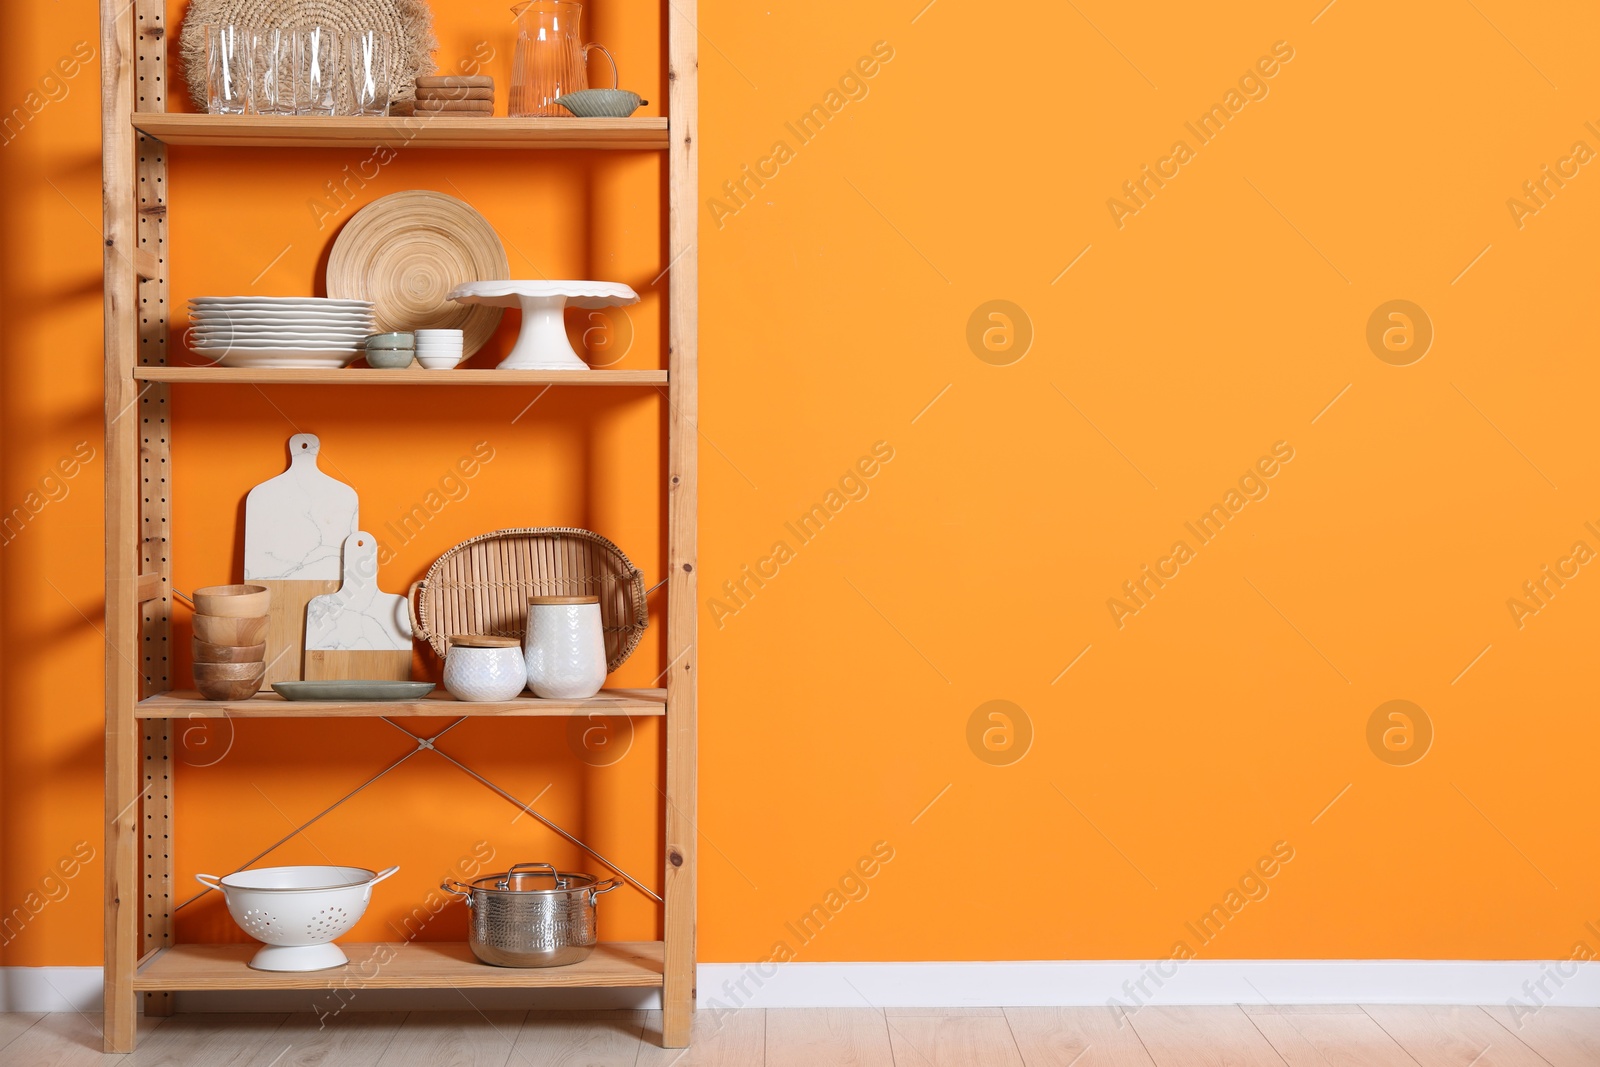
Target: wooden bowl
(232,601)
(206,652)
(229,681)
(225,630)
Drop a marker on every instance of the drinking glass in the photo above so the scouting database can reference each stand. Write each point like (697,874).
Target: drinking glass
(272,71)
(316,67)
(227,69)
(367,65)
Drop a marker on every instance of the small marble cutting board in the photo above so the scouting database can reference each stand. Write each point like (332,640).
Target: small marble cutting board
(295,525)
(358,632)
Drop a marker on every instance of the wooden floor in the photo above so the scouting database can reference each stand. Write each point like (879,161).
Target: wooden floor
(858,1037)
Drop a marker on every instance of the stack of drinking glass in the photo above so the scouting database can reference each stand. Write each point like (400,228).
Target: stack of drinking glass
(296,70)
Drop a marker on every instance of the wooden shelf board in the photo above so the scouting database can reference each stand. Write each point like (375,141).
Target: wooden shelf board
(398,965)
(397,132)
(410,376)
(187,704)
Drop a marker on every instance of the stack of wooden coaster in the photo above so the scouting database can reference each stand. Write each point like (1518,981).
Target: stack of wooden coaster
(463,94)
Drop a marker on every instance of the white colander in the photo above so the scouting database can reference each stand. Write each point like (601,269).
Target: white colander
(297,911)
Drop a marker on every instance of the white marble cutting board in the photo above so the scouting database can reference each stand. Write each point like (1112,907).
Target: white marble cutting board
(296,524)
(359,616)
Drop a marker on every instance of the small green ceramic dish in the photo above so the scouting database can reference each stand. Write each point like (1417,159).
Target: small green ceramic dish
(601,103)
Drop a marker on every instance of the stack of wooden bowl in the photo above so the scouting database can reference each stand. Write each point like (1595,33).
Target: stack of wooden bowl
(230,640)
(455,94)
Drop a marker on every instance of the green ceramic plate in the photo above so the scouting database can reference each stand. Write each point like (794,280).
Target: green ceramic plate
(352,689)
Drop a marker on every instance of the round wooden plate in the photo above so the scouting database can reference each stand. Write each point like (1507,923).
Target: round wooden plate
(406,251)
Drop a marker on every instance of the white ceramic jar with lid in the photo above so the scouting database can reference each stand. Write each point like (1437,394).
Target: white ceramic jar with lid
(479,668)
(565,647)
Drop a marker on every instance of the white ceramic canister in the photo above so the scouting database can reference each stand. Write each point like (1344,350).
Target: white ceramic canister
(479,668)
(565,647)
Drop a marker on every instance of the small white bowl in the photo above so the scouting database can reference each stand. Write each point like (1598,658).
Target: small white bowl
(441,349)
(436,362)
(438,335)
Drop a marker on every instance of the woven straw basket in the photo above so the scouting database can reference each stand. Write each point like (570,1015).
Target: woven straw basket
(482,586)
(408,24)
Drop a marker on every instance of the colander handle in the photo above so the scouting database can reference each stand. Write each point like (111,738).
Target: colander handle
(210,881)
(385,873)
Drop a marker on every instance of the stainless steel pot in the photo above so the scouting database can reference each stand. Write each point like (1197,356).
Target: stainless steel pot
(532,915)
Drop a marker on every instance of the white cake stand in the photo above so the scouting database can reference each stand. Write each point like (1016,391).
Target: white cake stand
(543,344)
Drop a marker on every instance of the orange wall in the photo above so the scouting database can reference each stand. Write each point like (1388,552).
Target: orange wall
(1187,739)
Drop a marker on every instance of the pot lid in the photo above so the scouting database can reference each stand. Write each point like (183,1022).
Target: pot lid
(534,878)
(563,600)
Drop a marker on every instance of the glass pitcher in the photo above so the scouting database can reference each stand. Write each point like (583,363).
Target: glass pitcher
(550,58)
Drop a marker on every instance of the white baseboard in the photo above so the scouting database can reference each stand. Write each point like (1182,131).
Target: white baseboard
(1095,983)
(1001,984)
(50,988)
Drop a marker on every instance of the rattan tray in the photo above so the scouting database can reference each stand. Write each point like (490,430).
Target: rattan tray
(482,586)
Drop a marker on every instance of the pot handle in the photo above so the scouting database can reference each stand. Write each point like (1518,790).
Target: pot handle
(210,881)
(385,873)
(604,887)
(457,888)
(542,868)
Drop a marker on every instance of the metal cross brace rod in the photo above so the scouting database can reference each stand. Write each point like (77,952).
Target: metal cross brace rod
(422,744)
(426,744)
(528,807)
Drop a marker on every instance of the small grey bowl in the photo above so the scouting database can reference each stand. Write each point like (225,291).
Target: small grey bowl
(390,358)
(391,340)
(601,103)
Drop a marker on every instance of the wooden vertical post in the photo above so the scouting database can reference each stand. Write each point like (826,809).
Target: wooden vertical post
(155,507)
(683,69)
(122,522)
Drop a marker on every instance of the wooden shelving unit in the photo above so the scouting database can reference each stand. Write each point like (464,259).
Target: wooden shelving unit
(141,958)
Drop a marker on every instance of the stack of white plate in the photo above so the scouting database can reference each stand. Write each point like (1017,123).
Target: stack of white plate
(279,331)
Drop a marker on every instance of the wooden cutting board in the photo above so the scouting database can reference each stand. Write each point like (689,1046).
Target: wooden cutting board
(295,526)
(286,624)
(359,631)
